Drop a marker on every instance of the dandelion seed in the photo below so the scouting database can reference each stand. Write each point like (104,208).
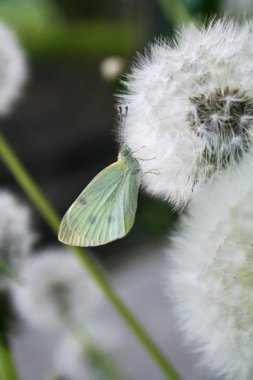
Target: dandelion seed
(190,104)
(55,291)
(13,69)
(210,279)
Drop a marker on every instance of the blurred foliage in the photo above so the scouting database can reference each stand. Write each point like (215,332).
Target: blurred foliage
(76,29)
(182,11)
(206,7)
(45,31)
(8,318)
(81,9)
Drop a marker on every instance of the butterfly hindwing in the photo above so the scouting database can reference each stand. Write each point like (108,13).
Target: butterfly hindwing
(104,211)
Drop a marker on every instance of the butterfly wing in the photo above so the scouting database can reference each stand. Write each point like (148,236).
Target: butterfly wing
(104,211)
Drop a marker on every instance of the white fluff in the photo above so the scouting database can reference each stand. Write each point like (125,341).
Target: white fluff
(16,235)
(13,69)
(55,290)
(236,7)
(77,360)
(210,274)
(160,99)
(71,360)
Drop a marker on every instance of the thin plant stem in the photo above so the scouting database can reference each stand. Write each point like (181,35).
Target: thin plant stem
(175,11)
(36,196)
(7,367)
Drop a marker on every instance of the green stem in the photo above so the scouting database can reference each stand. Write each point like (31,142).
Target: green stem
(7,367)
(53,220)
(175,11)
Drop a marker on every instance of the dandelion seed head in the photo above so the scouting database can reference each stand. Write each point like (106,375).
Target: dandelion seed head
(238,7)
(71,360)
(210,276)
(190,104)
(13,69)
(77,361)
(16,235)
(55,290)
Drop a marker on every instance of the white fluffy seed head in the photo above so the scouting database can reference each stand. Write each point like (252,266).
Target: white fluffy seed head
(71,360)
(13,69)
(78,360)
(55,290)
(190,106)
(210,275)
(236,7)
(16,235)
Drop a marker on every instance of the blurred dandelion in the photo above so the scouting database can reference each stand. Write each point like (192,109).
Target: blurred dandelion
(71,360)
(111,67)
(243,7)
(56,292)
(16,235)
(13,69)
(210,279)
(190,106)
(78,360)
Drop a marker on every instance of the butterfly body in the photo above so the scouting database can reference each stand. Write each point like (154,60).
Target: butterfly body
(105,210)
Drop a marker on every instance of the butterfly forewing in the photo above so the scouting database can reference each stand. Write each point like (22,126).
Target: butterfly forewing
(104,211)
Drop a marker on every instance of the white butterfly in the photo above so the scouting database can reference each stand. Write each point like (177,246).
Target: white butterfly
(105,210)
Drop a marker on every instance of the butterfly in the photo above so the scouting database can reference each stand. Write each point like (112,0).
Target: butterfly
(105,210)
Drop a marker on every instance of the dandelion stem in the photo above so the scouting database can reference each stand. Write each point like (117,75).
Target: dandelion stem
(53,220)
(175,11)
(7,367)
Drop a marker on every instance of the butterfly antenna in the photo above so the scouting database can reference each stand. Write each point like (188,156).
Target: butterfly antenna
(145,159)
(140,158)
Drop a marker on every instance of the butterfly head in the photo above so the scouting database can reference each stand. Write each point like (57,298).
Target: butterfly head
(125,152)
(125,155)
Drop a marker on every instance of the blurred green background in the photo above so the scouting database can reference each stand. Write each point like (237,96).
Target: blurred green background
(63,128)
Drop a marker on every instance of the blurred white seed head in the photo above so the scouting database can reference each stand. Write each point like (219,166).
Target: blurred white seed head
(13,69)
(16,235)
(190,106)
(71,360)
(55,290)
(111,67)
(210,274)
(79,360)
(242,7)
